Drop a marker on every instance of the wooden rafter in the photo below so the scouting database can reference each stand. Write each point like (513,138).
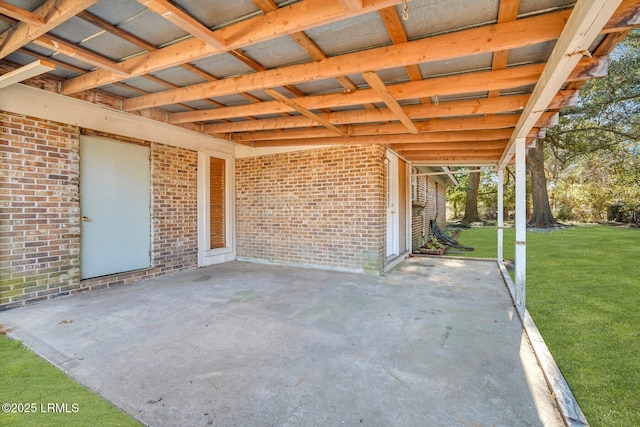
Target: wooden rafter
(292,18)
(437,146)
(449,125)
(397,139)
(55,12)
(20,14)
(312,49)
(303,111)
(536,29)
(26,72)
(53,60)
(508,11)
(395,29)
(474,110)
(182,19)
(485,80)
(65,47)
(376,83)
(351,4)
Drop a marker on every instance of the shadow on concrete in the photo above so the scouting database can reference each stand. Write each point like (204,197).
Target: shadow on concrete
(435,342)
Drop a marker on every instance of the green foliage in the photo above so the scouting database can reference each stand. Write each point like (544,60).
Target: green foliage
(27,379)
(583,293)
(487,195)
(593,152)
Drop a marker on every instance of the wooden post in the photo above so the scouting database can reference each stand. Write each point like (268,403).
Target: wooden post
(500,215)
(521,225)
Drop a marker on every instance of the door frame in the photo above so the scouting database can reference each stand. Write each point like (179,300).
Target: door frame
(392,204)
(394,251)
(206,255)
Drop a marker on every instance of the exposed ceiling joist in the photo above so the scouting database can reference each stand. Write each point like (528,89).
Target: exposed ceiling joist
(65,47)
(272,93)
(54,12)
(396,139)
(383,115)
(436,146)
(376,83)
(474,41)
(293,18)
(21,15)
(180,18)
(449,85)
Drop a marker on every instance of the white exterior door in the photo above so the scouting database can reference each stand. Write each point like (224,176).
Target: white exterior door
(115,199)
(393,213)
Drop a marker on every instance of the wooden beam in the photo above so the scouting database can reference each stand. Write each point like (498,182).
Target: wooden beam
(474,41)
(182,19)
(65,47)
(272,93)
(351,4)
(54,12)
(508,11)
(52,60)
(453,162)
(20,14)
(512,77)
(489,145)
(364,116)
(376,83)
(312,49)
(470,154)
(396,139)
(395,29)
(293,18)
(503,104)
(585,23)
(442,125)
(116,31)
(242,56)
(26,72)
(137,41)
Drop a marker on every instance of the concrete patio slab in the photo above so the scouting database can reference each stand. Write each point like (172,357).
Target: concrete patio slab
(435,342)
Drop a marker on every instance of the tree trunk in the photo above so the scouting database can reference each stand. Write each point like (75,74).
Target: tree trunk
(471,205)
(541,216)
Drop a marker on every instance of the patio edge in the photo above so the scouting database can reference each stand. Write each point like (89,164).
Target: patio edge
(567,403)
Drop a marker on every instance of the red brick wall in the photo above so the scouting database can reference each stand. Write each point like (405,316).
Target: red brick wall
(40,212)
(323,208)
(432,196)
(40,231)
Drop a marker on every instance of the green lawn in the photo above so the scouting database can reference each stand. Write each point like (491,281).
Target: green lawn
(583,292)
(28,381)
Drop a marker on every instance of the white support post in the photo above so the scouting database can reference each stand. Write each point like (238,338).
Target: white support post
(521,225)
(500,216)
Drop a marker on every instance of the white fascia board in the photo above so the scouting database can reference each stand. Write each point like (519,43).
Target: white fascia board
(26,72)
(30,101)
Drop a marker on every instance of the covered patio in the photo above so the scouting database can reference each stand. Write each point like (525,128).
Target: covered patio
(434,342)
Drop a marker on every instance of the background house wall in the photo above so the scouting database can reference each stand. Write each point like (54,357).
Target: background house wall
(40,211)
(322,208)
(429,202)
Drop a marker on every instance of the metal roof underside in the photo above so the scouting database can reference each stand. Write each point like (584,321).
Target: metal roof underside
(440,82)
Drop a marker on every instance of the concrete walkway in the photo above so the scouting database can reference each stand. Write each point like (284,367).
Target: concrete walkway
(435,342)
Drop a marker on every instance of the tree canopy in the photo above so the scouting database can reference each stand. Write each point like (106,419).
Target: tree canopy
(592,155)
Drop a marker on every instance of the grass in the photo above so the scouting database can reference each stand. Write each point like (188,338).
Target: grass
(583,292)
(27,379)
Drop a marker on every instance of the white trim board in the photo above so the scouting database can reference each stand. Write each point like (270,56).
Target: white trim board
(22,99)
